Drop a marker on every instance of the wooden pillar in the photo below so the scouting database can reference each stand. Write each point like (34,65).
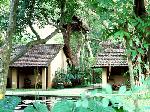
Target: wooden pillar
(44,78)
(104,77)
(49,77)
(14,78)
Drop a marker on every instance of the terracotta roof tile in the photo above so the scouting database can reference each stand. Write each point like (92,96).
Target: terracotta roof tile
(39,55)
(111,55)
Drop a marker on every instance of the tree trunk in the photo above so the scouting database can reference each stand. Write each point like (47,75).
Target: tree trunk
(132,81)
(6,49)
(140,11)
(67,48)
(148,53)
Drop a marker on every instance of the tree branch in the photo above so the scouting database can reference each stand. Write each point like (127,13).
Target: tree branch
(51,35)
(33,43)
(33,30)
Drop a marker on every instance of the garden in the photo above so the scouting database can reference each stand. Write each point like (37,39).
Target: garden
(105,55)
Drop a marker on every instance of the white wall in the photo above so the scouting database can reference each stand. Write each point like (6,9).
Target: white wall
(58,62)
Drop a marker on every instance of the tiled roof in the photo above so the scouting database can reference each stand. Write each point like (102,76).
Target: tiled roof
(39,55)
(111,55)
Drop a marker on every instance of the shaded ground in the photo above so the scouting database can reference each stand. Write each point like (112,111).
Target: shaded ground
(54,92)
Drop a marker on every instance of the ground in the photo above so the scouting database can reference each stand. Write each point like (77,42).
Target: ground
(53,92)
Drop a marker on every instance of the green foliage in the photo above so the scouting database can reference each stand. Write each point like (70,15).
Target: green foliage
(123,102)
(29,109)
(36,107)
(58,81)
(83,105)
(118,21)
(76,76)
(97,75)
(108,89)
(70,8)
(4,11)
(122,90)
(105,102)
(73,77)
(64,105)
(76,40)
(9,103)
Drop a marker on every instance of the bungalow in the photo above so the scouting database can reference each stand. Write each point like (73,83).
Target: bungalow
(113,61)
(43,60)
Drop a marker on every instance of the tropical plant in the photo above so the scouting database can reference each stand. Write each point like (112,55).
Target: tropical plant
(83,105)
(9,103)
(36,107)
(70,79)
(106,101)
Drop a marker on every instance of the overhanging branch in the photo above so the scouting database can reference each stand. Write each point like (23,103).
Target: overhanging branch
(33,43)
(33,30)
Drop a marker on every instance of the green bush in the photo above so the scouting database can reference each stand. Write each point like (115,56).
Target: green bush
(75,76)
(70,79)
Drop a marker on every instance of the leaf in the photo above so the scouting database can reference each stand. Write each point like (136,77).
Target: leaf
(146,45)
(146,66)
(108,109)
(131,43)
(139,59)
(140,50)
(147,81)
(78,103)
(94,92)
(137,41)
(133,22)
(108,89)
(126,34)
(85,103)
(115,100)
(134,53)
(29,108)
(119,34)
(40,107)
(105,102)
(65,105)
(92,104)
(80,109)
(122,89)
(83,96)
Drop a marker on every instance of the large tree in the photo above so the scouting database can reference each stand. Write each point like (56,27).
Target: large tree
(5,52)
